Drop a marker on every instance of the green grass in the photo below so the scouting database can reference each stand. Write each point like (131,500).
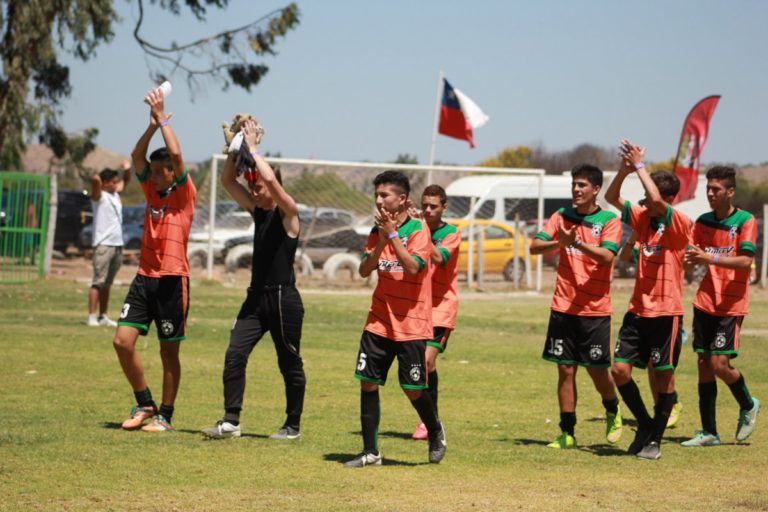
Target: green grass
(63,396)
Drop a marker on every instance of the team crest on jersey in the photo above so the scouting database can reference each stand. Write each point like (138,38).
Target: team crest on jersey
(597,229)
(595,353)
(732,232)
(415,373)
(652,250)
(390,266)
(655,356)
(719,340)
(166,326)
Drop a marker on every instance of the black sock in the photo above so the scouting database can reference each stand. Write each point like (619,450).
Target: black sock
(707,401)
(166,411)
(661,415)
(232,415)
(568,422)
(426,410)
(611,406)
(631,396)
(741,394)
(432,391)
(144,398)
(370,413)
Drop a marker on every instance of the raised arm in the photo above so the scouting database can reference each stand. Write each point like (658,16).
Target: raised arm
(125,165)
(233,188)
(96,187)
(635,155)
(613,193)
(156,103)
(284,201)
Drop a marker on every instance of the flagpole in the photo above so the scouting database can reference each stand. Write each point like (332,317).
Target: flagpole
(438,101)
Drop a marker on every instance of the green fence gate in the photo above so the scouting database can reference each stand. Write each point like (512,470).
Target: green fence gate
(23,226)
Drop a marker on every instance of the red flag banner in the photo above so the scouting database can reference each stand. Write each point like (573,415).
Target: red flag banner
(692,142)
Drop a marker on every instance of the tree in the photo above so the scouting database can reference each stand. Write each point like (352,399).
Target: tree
(34,32)
(517,157)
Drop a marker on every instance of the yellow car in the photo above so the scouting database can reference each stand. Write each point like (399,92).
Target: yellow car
(498,248)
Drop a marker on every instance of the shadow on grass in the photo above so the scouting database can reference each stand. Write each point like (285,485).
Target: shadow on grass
(344,457)
(111,425)
(527,442)
(627,422)
(601,450)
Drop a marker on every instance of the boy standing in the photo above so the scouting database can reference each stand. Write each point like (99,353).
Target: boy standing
(107,240)
(652,328)
(724,240)
(579,332)
(160,290)
(400,319)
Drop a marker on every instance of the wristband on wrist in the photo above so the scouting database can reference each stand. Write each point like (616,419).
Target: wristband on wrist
(392,235)
(715,258)
(164,123)
(639,165)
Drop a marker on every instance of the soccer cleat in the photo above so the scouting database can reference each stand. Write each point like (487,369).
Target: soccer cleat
(105,321)
(747,420)
(641,438)
(437,446)
(702,438)
(222,430)
(364,459)
(674,415)
(563,442)
(158,424)
(138,416)
(420,433)
(287,433)
(92,321)
(613,427)
(651,451)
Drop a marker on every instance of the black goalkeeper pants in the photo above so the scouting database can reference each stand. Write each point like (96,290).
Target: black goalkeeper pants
(279,311)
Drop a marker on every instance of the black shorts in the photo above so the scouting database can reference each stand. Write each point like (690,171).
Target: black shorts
(377,353)
(162,299)
(656,340)
(716,335)
(440,338)
(582,340)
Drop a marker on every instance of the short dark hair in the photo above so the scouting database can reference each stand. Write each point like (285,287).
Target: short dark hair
(162,155)
(396,178)
(723,173)
(108,175)
(593,173)
(435,191)
(667,183)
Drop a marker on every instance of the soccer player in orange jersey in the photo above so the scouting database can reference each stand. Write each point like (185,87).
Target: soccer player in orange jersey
(400,319)
(652,328)
(724,240)
(579,332)
(160,290)
(446,240)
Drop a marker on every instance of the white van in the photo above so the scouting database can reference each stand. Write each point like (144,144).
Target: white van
(499,198)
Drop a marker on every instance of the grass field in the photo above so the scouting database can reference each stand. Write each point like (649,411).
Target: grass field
(63,397)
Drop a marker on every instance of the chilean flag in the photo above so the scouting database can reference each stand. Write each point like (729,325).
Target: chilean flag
(459,115)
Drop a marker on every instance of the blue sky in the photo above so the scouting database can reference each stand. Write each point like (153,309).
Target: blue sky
(357,79)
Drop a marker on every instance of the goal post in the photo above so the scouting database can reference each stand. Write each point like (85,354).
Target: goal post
(336,209)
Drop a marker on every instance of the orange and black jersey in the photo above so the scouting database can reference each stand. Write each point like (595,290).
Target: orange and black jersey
(401,309)
(167,222)
(725,291)
(583,285)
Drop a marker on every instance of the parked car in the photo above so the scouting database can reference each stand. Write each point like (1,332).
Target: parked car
(133,228)
(498,248)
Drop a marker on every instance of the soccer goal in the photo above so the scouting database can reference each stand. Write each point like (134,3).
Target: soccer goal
(497,209)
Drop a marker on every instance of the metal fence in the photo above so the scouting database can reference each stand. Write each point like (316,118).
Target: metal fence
(23,226)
